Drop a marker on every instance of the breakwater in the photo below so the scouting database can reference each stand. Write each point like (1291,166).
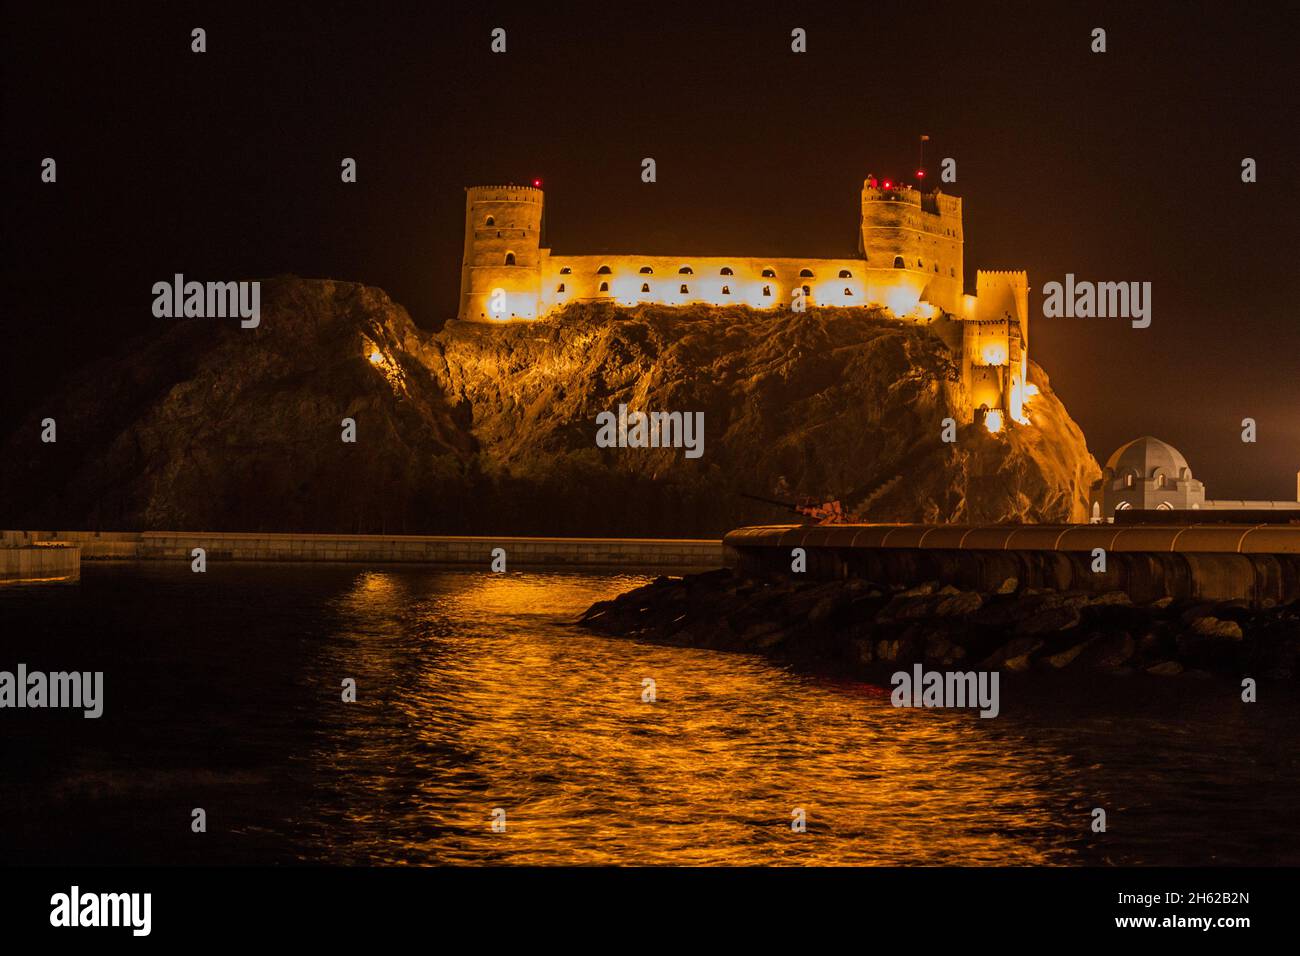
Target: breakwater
(866,630)
(1256,564)
(669,553)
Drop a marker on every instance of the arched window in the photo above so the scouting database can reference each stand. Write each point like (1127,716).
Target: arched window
(918,264)
(767,290)
(560,287)
(898,262)
(952,271)
(1128,480)
(726,290)
(510,258)
(604,287)
(491,220)
(769,274)
(807,291)
(848,291)
(846,274)
(603,271)
(1164,506)
(1096,512)
(645,286)
(726,271)
(1123,506)
(805,274)
(936,267)
(565,271)
(647,271)
(683,290)
(1160,480)
(686,271)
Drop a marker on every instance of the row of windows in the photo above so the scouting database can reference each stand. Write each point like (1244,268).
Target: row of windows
(1125,506)
(727,271)
(685,290)
(1161,481)
(688,271)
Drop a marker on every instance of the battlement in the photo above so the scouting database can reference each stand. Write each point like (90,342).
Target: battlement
(935,202)
(507,193)
(509,187)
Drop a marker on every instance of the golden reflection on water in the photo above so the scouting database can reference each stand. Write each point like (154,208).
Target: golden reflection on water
(474,694)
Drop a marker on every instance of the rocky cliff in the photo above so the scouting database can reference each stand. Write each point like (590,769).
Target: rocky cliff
(492,429)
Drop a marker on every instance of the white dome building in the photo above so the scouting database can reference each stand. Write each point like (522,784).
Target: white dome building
(1149,474)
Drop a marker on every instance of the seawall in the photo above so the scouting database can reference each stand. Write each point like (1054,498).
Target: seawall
(680,554)
(1257,564)
(41,560)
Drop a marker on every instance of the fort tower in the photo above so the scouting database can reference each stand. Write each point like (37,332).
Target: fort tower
(501,268)
(912,241)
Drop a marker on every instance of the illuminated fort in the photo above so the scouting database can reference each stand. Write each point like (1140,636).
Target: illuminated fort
(909,262)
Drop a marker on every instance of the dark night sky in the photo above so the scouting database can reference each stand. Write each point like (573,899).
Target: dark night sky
(1116,167)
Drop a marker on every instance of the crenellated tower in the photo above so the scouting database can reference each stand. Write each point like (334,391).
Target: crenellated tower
(916,236)
(995,344)
(500,276)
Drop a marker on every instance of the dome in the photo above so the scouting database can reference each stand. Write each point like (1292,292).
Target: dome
(1146,456)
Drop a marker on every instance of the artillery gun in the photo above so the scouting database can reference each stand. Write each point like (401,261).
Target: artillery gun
(811,510)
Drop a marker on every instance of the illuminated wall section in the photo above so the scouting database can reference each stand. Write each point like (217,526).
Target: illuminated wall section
(630,280)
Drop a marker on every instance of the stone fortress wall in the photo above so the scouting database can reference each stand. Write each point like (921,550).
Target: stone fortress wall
(910,262)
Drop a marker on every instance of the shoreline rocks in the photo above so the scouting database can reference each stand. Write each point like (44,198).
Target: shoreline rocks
(857,628)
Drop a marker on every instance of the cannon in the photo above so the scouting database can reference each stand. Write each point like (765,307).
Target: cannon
(811,510)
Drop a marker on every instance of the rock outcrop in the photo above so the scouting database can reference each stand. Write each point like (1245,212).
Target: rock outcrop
(491,428)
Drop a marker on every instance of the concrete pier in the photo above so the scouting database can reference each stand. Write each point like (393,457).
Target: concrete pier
(1253,563)
(678,554)
(40,560)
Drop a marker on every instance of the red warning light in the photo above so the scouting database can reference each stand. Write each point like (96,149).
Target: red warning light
(537,182)
(920,173)
(887,184)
